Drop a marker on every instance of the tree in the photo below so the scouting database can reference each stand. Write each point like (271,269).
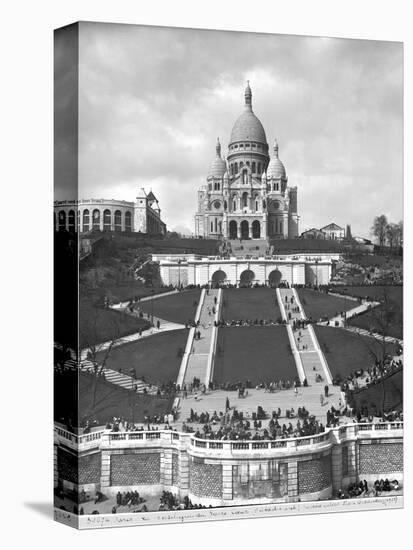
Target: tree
(98,353)
(382,318)
(378,229)
(392,234)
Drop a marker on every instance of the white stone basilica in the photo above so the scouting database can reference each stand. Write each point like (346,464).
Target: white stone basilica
(247,196)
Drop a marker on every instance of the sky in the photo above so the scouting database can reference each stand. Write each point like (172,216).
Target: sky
(152,102)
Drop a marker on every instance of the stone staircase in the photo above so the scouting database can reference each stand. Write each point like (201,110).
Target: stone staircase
(310,355)
(202,350)
(256,248)
(121,379)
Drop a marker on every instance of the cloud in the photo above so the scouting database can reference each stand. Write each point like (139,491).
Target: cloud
(152,102)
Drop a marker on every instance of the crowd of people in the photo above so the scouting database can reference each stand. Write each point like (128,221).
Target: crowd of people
(233,425)
(362,489)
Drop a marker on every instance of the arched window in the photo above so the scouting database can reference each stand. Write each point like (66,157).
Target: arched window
(245,177)
(245,199)
(118,220)
(248,162)
(72,221)
(234,205)
(107,220)
(259,168)
(86,220)
(62,220)
(253,168)
(96,219)
(128,221)
(256,206)
(236,167)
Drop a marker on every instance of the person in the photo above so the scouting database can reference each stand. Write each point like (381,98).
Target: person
(295,391)
(326,390)
(158,324)
(321,399)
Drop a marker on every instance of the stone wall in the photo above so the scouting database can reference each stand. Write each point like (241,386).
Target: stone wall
(135,469)
(379,458)
(67,466)
(205,480)
(175,469)
(89,469)
(314,475)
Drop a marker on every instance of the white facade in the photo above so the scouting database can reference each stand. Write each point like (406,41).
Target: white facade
(247,196)
(238,271)
(143,215)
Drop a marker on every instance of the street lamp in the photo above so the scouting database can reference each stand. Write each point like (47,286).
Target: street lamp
(152,293)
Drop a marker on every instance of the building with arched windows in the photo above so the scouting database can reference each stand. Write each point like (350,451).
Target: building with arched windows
(141,216)
(247,196)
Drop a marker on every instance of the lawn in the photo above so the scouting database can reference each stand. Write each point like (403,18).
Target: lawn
(375,319)
(319,305)
(258,354)
(346,351)
(374,398)
(178,308)
(98,325)
(250,303)
(113,401)
(155,358)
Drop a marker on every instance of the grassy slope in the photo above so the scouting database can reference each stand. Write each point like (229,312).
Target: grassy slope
(372,397)
(98,325)
(250,303)
(260,354)
(155,358)
(368,320)
(178,308)
(347,352)
(319,304)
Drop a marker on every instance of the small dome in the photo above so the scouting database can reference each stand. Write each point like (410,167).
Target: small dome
(276,168)
(248,127)
(218,166)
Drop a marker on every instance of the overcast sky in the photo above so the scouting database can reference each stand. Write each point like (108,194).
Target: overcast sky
(152,102)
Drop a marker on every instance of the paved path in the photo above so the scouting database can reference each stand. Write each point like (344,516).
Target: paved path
(361,308)
(202,350)
(121,379)
(165,326)
(284,399)
(310,354)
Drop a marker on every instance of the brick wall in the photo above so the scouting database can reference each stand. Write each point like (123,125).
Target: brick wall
(135,469)
(89,468)
(314,475)
(67,466)
(175,469)
(205,480)
(379,458)
(344,460)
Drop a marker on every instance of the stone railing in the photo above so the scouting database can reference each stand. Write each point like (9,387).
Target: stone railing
(167,438)
(83,442)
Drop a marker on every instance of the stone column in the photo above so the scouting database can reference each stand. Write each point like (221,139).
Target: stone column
(250,230)
(183,474)
(227,481)
(105,470)
(292,481)
(55,467)
(239,230)
(166,467)
(336,467)
(352,461)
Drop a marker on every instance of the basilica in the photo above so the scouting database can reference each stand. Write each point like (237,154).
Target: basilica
(247,195)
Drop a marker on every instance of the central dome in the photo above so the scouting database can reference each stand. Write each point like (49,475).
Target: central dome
(247,126)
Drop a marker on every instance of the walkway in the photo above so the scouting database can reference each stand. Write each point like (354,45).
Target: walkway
(202,351)
(312,360)
(120,379)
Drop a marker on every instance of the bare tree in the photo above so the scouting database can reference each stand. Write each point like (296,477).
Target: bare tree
(98,353)
(378,229)
(382,318)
